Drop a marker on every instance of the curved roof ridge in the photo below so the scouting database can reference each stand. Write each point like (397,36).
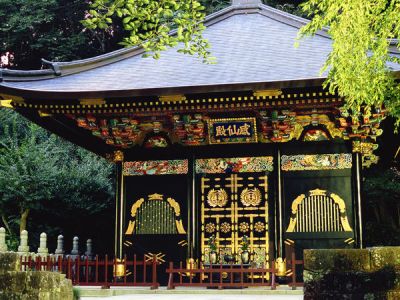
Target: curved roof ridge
(26,75)
(290,19)
(302,20)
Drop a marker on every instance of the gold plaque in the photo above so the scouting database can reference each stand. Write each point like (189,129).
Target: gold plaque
(217,197)
(250,197)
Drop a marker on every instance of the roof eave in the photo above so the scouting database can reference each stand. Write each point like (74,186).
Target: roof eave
(154,92)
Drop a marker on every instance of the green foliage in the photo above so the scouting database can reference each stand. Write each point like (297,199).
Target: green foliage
(357,66)
(290,6)
(150,23)
(51,29)
(382,204)
(77,293)
(24,177)
(12,241)
(212,6)
(245,243)
(38,169)
(212,243)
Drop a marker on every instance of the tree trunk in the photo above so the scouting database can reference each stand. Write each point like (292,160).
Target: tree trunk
(5,222)
(24,218)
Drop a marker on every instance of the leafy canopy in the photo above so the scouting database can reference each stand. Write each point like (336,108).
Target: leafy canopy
(51,29)
(149,23)
(38,170)
(358,67)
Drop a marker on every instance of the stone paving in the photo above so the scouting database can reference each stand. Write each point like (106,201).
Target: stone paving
(215,296)
(120,293)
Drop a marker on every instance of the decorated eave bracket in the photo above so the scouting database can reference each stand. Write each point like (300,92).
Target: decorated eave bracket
(268,126)
(163,121)
(6,103)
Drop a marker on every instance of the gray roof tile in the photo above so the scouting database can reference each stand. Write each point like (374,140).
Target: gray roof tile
(252,47)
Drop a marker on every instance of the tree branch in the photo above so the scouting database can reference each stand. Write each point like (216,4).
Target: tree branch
(5,222)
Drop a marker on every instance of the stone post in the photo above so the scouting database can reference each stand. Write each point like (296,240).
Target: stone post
(43,251)
(74,254)
(89,249)
(59,252)
(75,246)
(89,256)
(23,248)
(3,245)
(60,246)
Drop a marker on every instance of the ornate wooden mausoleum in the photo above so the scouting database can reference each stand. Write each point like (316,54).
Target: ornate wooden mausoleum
(250,146)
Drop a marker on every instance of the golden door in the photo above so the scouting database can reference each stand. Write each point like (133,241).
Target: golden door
(233,206)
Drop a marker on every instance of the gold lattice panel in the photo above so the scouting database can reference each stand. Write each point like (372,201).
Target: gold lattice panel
(234,205)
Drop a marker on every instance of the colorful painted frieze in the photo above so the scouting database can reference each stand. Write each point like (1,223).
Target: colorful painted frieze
(310,162)
(155,167)
(234,165)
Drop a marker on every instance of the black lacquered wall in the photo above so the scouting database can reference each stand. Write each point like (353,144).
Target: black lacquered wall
(156,209)
(318,197)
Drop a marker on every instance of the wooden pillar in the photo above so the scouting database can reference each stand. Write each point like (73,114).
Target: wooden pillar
(119,204)
(195,211)
(280,206)
(358,197)
(190,212)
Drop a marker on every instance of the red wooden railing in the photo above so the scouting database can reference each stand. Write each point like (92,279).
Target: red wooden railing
(221,276)
(102,272)
(99,272)
(293,263)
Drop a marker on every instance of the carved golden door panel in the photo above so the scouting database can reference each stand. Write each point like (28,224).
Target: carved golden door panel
(155,215)
(318,211)
(234,205)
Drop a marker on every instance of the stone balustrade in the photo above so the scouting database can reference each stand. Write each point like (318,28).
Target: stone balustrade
(43,251)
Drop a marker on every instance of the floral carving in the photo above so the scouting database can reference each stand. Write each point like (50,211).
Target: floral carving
(244,227)
(259,226)
(210,227)
(225,227)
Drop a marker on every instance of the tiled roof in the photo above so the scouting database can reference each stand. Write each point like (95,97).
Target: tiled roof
(252,44)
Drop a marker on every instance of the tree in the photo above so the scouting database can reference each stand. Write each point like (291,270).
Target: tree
(362,33)
(38,168)
(50,29)
(149,23)
(25,170)
(382,205)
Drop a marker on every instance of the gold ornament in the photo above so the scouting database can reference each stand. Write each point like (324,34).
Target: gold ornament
(210,227)
(225,227)
(217,198)
(244,227)
(118,156)
(259,226)
(250,197)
